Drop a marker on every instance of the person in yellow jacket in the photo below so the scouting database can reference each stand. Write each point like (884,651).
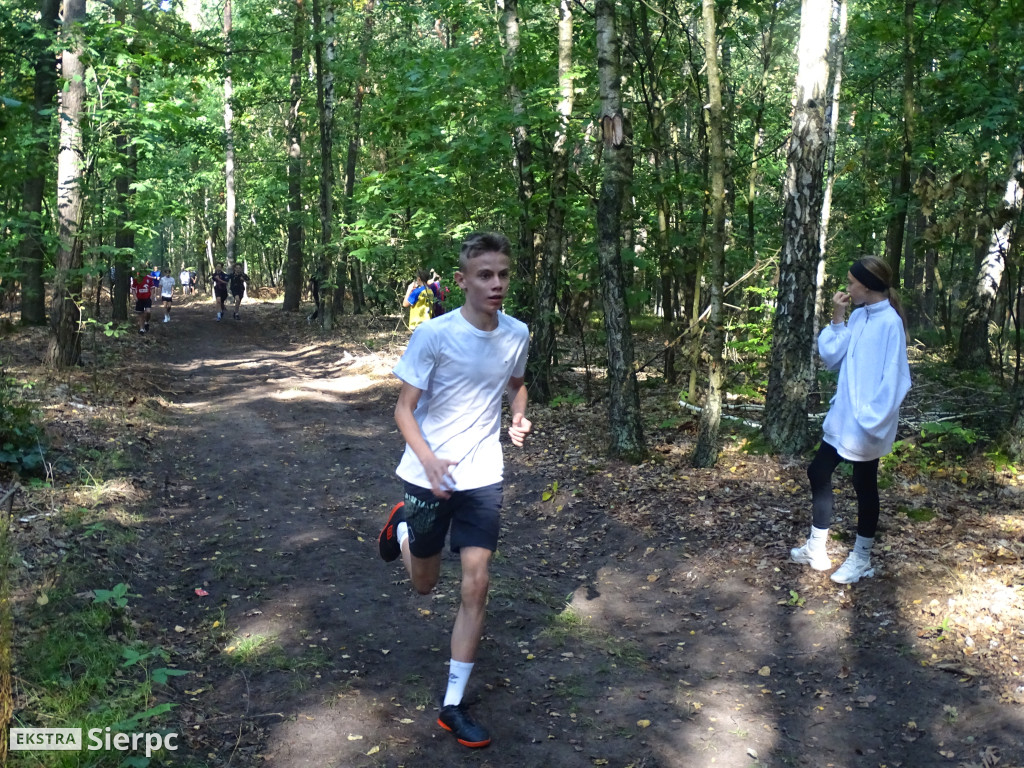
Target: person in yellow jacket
(419,298)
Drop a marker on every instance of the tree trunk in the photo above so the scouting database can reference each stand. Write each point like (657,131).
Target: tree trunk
(325,112)
(624,419)
(792,369)
(293,266)
(33,254)
(356,277)
(659,141)
(1015,435)
(65,345)
(837,48)
(666,269)
(353,155)
(927,303)
(728,118)
(901,193)
(767,36)
(543,345)
(705,453)
(124,234)
(526,254)
(229,144)
(973,351)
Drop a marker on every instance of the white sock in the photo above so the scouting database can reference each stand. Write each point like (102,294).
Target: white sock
(402,532)
(816,541)
(863,547)
(458,676)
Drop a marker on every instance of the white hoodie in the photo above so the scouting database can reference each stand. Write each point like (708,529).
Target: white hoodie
(870,351)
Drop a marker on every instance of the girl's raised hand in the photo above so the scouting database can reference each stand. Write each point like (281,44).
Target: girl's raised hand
(840,302)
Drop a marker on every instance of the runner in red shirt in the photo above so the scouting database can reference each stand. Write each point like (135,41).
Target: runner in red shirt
(142,290)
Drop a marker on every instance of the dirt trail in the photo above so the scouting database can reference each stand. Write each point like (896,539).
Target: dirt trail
(274,473)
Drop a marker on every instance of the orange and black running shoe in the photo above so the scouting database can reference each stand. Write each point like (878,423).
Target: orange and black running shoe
(469,733)
(387,542)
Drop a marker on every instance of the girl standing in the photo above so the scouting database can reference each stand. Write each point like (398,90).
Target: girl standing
(870,352)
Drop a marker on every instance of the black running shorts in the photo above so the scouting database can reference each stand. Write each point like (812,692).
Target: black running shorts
(474,517)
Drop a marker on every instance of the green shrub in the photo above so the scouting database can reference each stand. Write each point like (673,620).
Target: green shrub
(20,434)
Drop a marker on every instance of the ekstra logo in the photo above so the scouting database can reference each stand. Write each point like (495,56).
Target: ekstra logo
(64,739)
(70,739)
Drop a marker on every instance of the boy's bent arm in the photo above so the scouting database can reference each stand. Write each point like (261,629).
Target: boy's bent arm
(436,469)
(517,397)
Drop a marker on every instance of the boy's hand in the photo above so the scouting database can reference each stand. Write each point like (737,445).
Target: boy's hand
(520,428)
(439,473)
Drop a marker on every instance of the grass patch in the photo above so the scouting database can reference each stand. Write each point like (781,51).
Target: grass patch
(918,514)
(80,666)
(264,652)
(105,464)
(254,650)
(569,626)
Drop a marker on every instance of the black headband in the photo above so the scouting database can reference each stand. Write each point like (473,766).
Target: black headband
(867,278)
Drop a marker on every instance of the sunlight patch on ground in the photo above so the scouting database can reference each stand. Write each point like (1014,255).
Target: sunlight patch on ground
(118,489)
(986,609)
(346,733)
(1011,523)
(308,537)
(313,387)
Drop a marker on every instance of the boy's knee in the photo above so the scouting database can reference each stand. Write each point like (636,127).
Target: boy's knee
(424,574)
(475,585)
(424,586)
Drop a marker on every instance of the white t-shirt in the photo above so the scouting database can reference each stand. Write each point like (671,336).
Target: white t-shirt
(185,277)
(462,372)
(166,287)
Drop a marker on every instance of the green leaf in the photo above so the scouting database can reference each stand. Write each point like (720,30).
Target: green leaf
(160,675)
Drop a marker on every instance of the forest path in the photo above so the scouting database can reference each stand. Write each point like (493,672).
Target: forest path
(606,644)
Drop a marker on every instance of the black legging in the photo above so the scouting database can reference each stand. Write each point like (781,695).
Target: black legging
(865,483)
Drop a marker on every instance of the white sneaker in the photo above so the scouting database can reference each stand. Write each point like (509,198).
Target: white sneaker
(853,570)
(816,558)
(219,314)
(167,319)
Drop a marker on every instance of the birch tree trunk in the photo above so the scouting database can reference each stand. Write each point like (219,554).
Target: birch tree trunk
(837,48)
(293,264)
(229,144)
(973,351)
(705,453)
(325,112)
(543,344)
(926,298)
(33,289)
(65,345)
(624,421)
(792,368)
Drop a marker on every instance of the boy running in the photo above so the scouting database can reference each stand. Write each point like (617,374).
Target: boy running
(167,294)
(238,280)
(220,289)
(142,290)
(453,374)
